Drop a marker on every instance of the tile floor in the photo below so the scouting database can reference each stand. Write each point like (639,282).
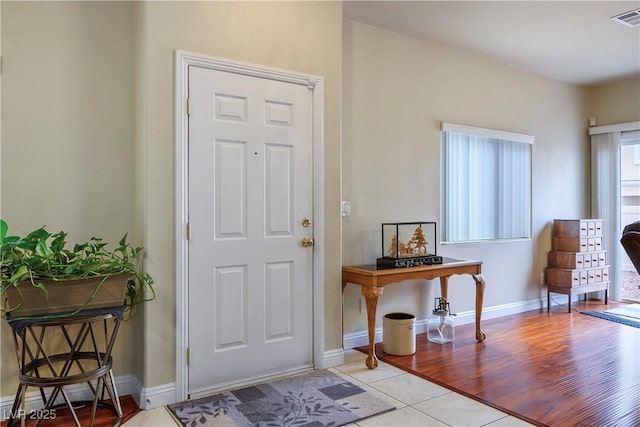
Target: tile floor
(419,403)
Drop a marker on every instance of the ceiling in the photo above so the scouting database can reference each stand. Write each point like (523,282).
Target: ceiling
(570,41)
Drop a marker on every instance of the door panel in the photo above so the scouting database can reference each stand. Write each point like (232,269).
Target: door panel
(230,191)
(250,186)
(230,310)
(280,301)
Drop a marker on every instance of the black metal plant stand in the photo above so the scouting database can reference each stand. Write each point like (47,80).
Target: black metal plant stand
(89,340)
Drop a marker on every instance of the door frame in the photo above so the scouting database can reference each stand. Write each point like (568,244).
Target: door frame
(182,61)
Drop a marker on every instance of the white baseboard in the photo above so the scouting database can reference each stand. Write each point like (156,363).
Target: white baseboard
(361,338)
(153,397)
(332,358)
(125,384)
(136,389)
(145,397)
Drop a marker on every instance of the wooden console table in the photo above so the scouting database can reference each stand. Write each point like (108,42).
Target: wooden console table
(371,280)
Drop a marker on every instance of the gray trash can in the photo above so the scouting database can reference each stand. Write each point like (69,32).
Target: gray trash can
(399,334)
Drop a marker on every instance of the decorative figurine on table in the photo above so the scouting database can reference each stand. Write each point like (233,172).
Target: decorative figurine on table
(408,244)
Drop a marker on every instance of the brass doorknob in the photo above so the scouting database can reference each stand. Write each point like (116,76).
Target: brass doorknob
(306,242)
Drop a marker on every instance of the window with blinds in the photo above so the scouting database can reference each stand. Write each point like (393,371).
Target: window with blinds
(486,184)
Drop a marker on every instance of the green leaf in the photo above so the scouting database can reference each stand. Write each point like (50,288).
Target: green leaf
(79,247)
(43,249)
(57,245)
(21,273)
(38,234)
(10,240)
(33,262)
(3,230)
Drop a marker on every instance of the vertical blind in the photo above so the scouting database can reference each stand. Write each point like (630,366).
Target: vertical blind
(486,184)
(605,199)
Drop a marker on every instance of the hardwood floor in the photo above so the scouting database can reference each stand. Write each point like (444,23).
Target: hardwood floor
(554,369)
(104,417)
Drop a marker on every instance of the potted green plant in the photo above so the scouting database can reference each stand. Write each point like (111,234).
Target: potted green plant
(42,277)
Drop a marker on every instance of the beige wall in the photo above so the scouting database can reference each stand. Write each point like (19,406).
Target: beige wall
(616,102)
(99,148)
(298,36)
(67,131)
(396,92)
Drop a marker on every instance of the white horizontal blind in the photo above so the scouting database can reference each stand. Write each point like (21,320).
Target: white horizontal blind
(486,193)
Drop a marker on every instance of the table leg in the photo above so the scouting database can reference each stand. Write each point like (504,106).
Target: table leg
(479,279)
(371,298)
(444,287)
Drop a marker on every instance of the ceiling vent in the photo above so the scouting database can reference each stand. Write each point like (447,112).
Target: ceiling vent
(630,19)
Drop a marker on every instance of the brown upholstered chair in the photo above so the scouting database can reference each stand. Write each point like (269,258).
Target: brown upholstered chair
(631,243)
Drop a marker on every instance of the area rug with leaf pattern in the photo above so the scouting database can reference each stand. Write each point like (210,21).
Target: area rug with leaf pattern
(319,398)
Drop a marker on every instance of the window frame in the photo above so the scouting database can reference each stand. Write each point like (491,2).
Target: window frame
(489,134)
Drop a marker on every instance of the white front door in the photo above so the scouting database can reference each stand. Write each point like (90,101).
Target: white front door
(250,189)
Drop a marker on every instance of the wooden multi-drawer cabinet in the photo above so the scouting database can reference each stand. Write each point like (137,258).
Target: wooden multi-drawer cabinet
(577,264)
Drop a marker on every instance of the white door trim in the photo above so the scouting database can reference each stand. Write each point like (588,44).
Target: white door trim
(184,59)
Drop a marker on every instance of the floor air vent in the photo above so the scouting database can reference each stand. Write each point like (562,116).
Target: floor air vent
(630,19)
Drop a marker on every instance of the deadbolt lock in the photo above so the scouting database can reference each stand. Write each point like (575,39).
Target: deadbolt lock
(306,222)
(306,242)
